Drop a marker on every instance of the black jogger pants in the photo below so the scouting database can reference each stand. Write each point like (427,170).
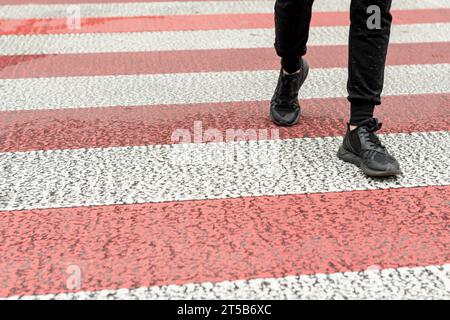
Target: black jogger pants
(368,42)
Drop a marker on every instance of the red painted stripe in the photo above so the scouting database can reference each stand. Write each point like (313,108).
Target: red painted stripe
(147,125)
(96,64)
(197,22)
(138,24)
(216,240)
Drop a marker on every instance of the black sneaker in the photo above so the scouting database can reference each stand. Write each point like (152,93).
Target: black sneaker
(362,147)
(284,107)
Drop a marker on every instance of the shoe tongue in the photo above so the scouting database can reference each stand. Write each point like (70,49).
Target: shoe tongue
(371,124)
(290,84)
(290,78)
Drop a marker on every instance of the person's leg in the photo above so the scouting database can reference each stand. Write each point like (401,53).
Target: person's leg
(368,43)
(369,39)
(292,20)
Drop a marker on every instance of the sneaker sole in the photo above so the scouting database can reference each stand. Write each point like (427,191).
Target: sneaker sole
(282,124)
(305,68)
(352,158)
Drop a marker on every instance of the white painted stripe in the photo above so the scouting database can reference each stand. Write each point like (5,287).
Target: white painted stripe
(429,282)
(136,9)
(127,175)
(188,88)
(33,11)
(198,40)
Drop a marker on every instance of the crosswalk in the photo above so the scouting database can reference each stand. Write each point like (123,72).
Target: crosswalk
(99,200)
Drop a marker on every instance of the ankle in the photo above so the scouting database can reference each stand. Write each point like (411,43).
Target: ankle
(360,112)
(291,64)
(291,73)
